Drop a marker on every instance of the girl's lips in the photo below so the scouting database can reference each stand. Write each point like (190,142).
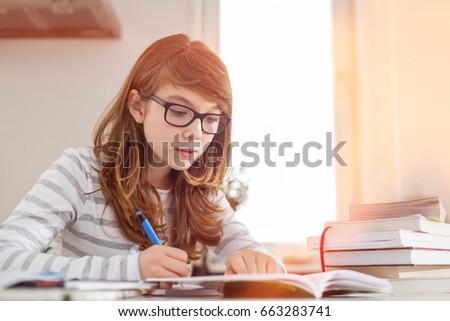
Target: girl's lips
(187,152)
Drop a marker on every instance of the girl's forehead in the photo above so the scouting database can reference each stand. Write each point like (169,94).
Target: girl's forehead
(185,95)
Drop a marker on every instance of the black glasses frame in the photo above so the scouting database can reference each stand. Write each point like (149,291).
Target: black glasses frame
(198,115)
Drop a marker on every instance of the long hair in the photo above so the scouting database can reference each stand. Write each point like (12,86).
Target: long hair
(124,175)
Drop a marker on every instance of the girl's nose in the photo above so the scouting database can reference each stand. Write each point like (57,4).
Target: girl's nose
(193,130)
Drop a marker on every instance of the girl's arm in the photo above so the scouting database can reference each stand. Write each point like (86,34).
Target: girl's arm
(53,205)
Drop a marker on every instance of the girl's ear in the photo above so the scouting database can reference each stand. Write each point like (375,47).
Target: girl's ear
(136,106)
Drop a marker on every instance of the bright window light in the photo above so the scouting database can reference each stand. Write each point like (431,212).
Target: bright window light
(279,55)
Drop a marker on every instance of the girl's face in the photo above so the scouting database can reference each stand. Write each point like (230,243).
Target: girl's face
(173,147)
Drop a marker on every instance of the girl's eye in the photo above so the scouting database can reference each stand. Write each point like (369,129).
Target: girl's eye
(179,111)
(212,119)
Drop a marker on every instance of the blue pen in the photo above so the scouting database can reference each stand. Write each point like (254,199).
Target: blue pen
(148,229)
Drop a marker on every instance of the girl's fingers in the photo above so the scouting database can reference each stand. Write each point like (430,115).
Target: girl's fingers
(176,267)
(175,253)
(236,265)
(253,262)
(272,266)
(250,263)
(261,263)
(163,261)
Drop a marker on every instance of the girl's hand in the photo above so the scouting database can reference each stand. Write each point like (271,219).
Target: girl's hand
(161,261)
(249,261)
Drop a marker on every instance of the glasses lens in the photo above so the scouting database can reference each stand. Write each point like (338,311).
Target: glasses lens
(214,124)
(179,115)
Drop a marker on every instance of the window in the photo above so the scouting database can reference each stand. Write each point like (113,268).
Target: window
(279,55)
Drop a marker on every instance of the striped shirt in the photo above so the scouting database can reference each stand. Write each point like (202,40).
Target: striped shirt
(60,210)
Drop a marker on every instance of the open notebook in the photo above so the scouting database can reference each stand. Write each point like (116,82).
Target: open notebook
(286,285)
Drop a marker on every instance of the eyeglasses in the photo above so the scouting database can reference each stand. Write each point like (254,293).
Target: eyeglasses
(182,116)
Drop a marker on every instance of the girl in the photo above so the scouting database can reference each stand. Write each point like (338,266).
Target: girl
(161,148)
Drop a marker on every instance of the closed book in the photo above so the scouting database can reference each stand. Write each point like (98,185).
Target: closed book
(400,271)
(379,240)
(421,285)
(430,207)
(387,257)
(412,223)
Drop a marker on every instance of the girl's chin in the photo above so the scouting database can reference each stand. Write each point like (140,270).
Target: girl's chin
(181,165)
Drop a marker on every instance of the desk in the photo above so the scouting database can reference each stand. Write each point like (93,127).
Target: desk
(403,289)
(25,294)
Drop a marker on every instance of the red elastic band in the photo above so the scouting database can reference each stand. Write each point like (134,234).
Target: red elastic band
(322,241)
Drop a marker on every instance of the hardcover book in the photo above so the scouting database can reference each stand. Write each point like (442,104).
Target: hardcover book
(380,240)
(430,207)
(388,257)
(415,222)
(401,271)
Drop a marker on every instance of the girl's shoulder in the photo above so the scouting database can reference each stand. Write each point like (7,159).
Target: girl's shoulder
(81,152)
(81,155)
(82,160)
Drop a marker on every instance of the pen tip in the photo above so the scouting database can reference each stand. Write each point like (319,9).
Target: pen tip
(138,212)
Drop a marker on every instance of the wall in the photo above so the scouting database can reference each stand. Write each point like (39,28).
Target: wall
(53,91)
(393,73)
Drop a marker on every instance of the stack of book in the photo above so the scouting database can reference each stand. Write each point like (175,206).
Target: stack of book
(377,241)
